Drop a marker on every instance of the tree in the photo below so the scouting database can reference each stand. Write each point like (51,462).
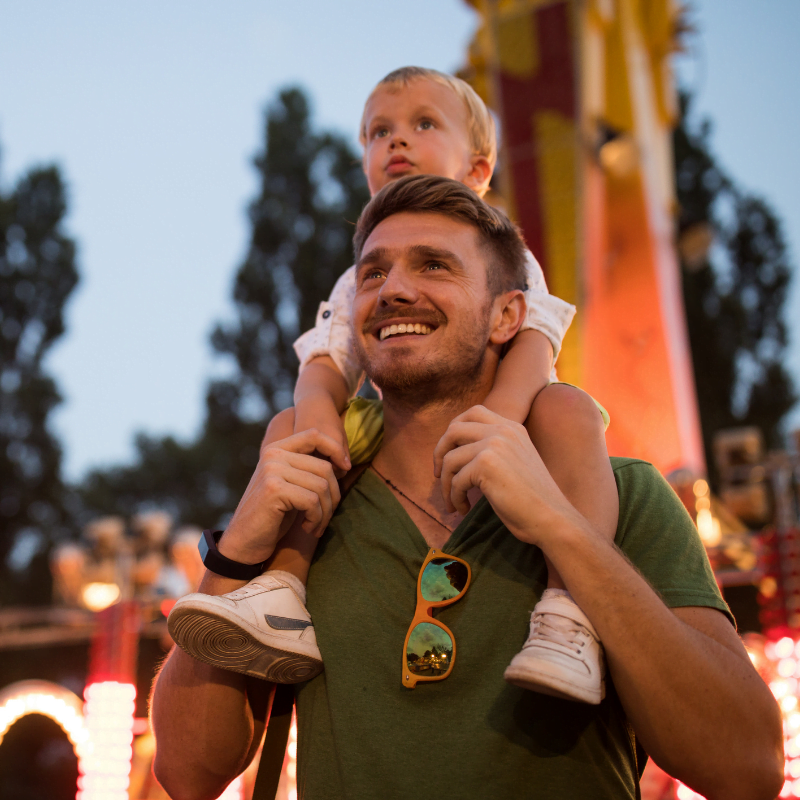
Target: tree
(734,293)
(312,191)
(37,275)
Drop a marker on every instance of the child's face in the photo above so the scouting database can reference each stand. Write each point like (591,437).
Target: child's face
(420,129)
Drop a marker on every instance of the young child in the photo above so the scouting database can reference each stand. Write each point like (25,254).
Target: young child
(420,121)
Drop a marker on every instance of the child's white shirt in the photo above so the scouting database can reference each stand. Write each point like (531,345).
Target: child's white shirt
(332,334)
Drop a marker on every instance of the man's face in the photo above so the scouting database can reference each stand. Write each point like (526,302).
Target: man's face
(422,310)
(418,129)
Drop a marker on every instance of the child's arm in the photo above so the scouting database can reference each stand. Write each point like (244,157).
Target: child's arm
(329,372)
(320,397)
(522,374)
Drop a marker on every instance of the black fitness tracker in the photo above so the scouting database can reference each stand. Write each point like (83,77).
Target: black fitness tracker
(217,563)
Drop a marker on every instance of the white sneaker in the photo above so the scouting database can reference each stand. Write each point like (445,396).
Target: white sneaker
(262,629)
(563,656)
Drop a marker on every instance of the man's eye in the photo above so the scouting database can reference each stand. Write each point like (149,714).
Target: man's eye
(435,265)
(374,274)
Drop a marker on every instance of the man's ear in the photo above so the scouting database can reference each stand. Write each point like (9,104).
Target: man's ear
(509,311)
(479,175)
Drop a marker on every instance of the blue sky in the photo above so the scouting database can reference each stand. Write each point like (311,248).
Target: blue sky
(154,110)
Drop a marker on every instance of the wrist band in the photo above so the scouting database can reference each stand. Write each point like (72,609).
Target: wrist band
(219,564)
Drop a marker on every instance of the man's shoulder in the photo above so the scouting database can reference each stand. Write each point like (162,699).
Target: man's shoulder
(621,462)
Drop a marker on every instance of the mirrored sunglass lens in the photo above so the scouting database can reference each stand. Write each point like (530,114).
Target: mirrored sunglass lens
(443,579)
(429,651)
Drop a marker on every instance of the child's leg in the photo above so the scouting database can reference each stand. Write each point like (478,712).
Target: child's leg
(563,655)
(567,430)
(262,629)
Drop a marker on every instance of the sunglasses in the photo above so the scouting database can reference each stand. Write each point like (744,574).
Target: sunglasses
(430,647)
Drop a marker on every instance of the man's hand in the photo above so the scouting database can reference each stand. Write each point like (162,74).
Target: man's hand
(484,450)
(287,481)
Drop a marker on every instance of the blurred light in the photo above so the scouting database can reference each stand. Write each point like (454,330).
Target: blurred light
(789,703)
(784,647)
(779,689)
(235,790)
(50,700)
(787,789)
(794,723)
(619,157)
(708,527)
(97,596)
(105,766)
(786,667)
(685,793)
(794,768)
(167,606)
(796,788)
(700,488)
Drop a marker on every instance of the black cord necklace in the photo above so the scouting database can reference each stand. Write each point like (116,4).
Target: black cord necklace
(413,503)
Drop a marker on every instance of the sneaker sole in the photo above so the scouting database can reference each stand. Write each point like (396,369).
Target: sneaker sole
(554,686)
(213,639)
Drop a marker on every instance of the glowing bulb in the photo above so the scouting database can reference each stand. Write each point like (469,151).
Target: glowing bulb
(107,763)
(784,647)
(97,596)
(700,488)
(786,667)
(709,529)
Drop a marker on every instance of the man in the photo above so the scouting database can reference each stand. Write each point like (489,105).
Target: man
(681,683)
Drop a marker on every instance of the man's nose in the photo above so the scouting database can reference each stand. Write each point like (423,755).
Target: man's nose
(398,288)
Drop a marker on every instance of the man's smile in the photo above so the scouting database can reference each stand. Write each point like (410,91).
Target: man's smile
(404,328)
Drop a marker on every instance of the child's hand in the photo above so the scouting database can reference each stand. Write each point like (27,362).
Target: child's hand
(318,411)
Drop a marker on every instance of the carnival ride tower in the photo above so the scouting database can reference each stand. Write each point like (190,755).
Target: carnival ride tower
(585,99)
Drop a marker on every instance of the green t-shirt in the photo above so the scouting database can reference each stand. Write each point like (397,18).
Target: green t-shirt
(363,735)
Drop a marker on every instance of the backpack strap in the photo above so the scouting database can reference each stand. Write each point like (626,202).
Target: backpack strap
(280,717)
(274,749)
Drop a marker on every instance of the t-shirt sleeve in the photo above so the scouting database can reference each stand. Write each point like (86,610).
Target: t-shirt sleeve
(546,313)
(332,334)
(657,534)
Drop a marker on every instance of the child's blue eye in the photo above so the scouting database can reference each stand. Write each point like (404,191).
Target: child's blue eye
(380,132)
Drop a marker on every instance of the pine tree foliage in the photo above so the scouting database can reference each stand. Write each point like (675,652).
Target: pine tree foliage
(311,192)
(312,185)
(37,275)
(734,296)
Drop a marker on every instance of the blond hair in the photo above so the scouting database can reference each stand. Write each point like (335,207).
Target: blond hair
(480,124)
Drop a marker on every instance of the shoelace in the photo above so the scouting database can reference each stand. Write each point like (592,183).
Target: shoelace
(560,630)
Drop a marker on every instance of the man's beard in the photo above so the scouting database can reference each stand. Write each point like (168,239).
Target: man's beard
(413,381)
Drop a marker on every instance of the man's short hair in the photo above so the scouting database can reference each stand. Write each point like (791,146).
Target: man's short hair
(480,123)
(421,194)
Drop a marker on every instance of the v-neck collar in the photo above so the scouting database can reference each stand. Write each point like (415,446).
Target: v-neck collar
(399,511)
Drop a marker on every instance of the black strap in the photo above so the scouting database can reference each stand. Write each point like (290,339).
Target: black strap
(274,749)
(280,717)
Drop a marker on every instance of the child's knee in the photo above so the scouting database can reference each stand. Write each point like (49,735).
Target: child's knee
(281,426)
(562,409)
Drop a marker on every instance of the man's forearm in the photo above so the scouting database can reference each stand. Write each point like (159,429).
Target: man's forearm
(207,721)
(684,678)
